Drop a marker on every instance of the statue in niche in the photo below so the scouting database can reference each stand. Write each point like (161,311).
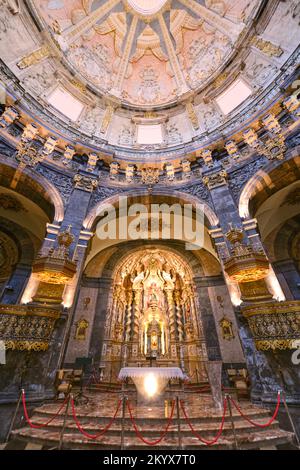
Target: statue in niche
(81,327)
(154,335)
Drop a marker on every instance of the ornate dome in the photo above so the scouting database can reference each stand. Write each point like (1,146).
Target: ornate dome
(146,56)
(133,80)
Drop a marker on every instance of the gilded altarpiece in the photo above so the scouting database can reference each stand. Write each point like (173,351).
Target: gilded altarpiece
(153,317)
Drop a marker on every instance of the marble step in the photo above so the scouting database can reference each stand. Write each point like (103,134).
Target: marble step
(150,429)
(257,440)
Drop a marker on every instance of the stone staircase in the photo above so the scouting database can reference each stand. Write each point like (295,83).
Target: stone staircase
(151,422)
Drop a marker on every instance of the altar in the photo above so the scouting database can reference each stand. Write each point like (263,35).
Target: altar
(151,382)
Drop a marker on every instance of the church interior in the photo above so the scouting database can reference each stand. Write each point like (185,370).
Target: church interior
(118,330)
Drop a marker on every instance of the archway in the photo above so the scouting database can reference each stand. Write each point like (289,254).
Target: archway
(272,198)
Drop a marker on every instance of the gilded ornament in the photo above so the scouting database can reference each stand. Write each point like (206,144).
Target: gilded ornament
(27,327)
(34,57)
(274,325)
(214,180)
(81,327)
(86,183)
(226,327)
(267,47)
(245,264)
(192,115)
(150,175)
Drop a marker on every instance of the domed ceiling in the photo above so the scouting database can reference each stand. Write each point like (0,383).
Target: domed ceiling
(140,80)
(146,53)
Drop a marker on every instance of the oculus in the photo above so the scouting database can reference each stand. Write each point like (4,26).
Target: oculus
(146,8)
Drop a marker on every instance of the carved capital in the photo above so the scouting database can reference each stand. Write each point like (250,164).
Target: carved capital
(214,180)
(85,183)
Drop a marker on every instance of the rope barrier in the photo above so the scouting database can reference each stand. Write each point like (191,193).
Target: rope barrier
(42,425)
(216,438)
(103,431)
(253,422)
(139,435)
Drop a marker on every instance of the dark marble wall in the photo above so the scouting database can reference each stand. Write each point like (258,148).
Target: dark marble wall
(35,371)
(16,284)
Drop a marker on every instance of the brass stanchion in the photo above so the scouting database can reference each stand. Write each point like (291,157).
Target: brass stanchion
(290,418)
(178,423)
(228,397)
(12,423)
(123,421)
(61,436)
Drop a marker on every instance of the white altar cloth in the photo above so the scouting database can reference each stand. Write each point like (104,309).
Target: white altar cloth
(159,372)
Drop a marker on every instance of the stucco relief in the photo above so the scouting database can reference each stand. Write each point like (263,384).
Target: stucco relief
(203,52)
(13,31)
(126,136)
(173,135)
(149,82)
(39,78)
(258,71)
(62,13)
(91,121)
(93,63)
(232,9)
(209,116)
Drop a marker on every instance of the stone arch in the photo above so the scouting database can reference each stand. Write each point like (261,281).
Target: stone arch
(34,187)
(275,176)
(180,196)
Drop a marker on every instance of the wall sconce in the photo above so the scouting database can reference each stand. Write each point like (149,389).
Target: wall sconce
(227,330)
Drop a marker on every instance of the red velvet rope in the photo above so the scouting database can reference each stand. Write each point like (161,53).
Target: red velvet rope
(103,431)
(43,425)
(139,435)
(216,438)
(253,422)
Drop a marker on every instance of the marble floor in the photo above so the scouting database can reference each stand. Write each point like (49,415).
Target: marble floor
(151,420)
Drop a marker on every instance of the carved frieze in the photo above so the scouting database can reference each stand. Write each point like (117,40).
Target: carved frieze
(267,47)
(25,327)
(62,183)
(274,325)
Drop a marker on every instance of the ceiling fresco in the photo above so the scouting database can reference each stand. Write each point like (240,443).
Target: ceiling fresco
(146,53)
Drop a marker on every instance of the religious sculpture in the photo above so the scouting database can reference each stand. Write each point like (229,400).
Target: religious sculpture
(153,313)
